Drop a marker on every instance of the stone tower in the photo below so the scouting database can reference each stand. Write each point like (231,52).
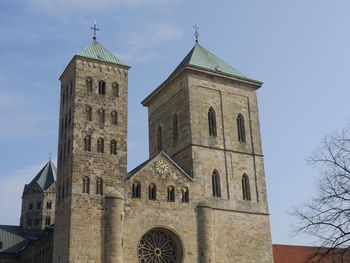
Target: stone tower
(205,117)
(92,151)
(38,201)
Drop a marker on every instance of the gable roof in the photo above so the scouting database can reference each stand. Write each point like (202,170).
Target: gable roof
(142,165)
(203,58)
(44,179)
(96,51)
(12,238)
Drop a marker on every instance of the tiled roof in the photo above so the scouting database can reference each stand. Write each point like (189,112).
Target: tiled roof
(12,239)
(201,57)
(300,254)
(96,51)
(45,178)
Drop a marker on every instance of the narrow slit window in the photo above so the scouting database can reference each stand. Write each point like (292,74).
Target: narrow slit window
(87,143)
(99,186)
(185,195)
(101,116)
(88,113)
(241,128)
(212,122)
(216,184)
(246,188)
(114,117)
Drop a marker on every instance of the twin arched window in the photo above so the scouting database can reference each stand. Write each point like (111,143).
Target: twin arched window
(171,194)
(159,138)
(136,190)
(87,143)
(89,84)
(216,184)
(113,147)
(185,195)
(114,117)
(99,186)
(240,128)
(115,89)
(88,113)
(47,221)
(102,87)
(100,145)
(101,116)
(175,128)
(212,122)
(48,204)
(246,188)
(152,192)
(86,185)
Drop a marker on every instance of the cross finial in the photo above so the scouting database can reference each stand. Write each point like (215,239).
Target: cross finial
(50,154)
(196,34)
(95,29)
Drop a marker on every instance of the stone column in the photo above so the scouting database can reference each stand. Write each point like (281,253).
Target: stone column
(113,232)
(205,233)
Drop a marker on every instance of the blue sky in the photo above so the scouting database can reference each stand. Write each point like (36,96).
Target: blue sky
(299,49)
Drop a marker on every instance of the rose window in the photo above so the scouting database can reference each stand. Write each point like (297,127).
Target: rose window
(158,247)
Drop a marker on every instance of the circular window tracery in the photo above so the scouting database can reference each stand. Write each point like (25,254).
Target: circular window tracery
(158,246)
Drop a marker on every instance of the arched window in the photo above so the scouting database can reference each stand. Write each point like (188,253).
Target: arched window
(89,84)
(175,128)
(152,192)
(114,117)
(86,185)
(88,113)
(115,89)
(101,116)
(159,138)
(38,205)
(240,128)
(113,147)
(216,184)
(47,221)
(100,145)
(30,206)
(212,122)
(29,221)
(185,195)
(136,190)
(246,188)
(99,186)
(87,143)
(48,204)
(102,87)
(171,194)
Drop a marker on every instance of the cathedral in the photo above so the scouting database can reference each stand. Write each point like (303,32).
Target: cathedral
(200,197)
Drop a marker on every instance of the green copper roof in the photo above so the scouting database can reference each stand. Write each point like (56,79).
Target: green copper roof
(97,51)
(45,178)
(200,57)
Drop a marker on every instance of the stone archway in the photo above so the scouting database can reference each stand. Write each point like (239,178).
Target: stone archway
(160,245)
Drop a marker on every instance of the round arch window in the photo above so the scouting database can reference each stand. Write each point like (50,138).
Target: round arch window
(160,246)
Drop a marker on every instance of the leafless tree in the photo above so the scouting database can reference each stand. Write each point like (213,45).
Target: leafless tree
(327,216)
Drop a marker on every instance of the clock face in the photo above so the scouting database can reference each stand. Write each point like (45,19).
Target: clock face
(161,167)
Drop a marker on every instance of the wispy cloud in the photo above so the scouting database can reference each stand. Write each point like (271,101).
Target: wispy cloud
(11,189)
(143,41)
(21,118)
(92,5)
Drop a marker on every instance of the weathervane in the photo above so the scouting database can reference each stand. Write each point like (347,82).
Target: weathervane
(95,29)
(196,34)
